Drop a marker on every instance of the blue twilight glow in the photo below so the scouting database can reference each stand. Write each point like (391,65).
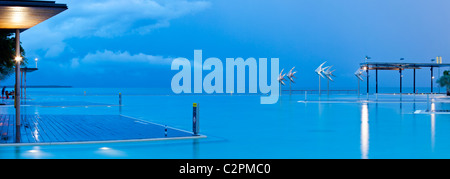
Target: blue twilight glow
(122,43)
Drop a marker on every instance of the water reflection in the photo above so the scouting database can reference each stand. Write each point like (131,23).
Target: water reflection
(35,153)
(364,131)
(17,152)
(17,133)
(196,149)
(433,125)
(107,151)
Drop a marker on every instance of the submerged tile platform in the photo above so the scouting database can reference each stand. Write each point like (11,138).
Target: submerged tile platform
(63,104)
(66,129)
(56,103)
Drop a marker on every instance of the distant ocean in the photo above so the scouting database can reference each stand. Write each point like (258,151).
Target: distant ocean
(167,91)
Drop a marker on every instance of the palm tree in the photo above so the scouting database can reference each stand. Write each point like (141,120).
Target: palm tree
(444,81)
(7,54)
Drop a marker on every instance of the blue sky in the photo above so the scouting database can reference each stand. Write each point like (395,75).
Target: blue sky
(131,43)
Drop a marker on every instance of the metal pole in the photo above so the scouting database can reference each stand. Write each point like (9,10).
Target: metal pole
(290,88)
(359,91)
(17,87)
(306,95)
(328,87)
(280,90)
(319,87)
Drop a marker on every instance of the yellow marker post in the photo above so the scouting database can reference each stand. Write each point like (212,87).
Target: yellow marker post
(196,119)
(120,99)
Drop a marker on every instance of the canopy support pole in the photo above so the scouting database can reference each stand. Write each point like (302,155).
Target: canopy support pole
(25,83)
(376,80)
(367,71)
(401,77)
(431,80)
(17,87)
(414,82)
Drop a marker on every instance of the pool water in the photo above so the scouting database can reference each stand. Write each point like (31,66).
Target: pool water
(238,126)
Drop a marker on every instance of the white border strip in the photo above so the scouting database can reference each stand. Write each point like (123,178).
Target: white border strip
(103,142)
(428,112)
(114,141)
(148,122)
(350,102)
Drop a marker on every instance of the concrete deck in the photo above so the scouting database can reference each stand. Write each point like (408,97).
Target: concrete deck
(76,129)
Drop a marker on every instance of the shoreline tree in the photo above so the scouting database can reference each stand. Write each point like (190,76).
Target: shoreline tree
(444,81)
(7,54)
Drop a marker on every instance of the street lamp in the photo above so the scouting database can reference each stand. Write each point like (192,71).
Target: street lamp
(18,59)
(367,58)
(36,60)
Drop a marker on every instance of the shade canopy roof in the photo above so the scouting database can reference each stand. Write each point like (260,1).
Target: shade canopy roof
(24,14)
(397,66)
(26,69)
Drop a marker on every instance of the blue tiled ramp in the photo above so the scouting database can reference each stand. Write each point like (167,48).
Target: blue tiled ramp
(49,129)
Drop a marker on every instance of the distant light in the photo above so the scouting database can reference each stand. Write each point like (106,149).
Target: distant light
(36,59)
(364,68)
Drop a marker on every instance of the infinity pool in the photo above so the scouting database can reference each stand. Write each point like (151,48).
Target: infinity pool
(336,126)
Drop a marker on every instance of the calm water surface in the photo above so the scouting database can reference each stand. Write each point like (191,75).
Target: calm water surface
(336,126)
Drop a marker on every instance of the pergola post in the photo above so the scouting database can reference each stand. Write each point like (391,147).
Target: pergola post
(25,83)
(376,80)
(17,87)
(21,83)
(367,71)
(414,82)
(401,77)
(431,69)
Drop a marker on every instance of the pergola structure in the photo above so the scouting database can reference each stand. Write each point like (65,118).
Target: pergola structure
(23,83)
(18,16)
(399,67)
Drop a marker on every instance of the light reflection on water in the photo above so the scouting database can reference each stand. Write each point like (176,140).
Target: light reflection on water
(433,125)
(364,131)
